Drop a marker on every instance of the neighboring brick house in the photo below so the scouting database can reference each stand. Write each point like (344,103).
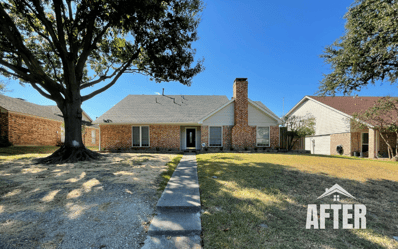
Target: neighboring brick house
(25,123)
(333,128)
(181,122)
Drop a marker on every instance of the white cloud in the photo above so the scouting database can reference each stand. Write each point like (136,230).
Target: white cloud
(157,93)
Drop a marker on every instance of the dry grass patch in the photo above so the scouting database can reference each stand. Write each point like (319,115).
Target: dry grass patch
(25,186)
(260,200)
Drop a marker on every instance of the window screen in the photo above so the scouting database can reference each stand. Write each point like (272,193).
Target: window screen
(136,136)
(145,136)
(262,136)
(215,136)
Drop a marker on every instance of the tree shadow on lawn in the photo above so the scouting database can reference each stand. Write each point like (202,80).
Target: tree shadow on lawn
(258,205)
(29,193)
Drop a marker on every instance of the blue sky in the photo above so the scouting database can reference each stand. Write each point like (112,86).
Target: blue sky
(275,44)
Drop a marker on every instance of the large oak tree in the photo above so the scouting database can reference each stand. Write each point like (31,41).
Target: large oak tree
(60,47)
(368,51)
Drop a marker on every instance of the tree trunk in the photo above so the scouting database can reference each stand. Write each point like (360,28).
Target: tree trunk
(389,149)
(73,149)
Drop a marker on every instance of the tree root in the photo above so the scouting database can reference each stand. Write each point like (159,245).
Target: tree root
(70,155)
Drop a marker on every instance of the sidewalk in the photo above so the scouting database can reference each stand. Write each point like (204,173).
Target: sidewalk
(178,224)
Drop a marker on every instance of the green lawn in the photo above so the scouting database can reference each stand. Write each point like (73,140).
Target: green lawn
(260,200)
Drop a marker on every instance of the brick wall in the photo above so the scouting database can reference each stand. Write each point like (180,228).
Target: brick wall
(204,135)
(165,136)
(343,139)
(29,130)
(227,136)
(243,137)
(87,137)
(274,136)
(116,136)
(4,123)
(120,136)
(241,106)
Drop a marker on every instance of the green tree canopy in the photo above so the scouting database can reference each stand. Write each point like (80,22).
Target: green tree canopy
(52,44)
(368,50)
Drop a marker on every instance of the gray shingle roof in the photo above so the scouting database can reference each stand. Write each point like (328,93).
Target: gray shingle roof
(152,109)
(22,106)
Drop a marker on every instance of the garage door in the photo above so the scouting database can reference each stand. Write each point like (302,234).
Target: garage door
(318,144)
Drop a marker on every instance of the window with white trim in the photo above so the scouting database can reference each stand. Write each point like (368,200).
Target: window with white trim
(140,136)
(93,136)
(215,136)
(262,136)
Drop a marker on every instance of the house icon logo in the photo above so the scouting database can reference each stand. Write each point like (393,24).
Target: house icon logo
(336,190)
(353,215)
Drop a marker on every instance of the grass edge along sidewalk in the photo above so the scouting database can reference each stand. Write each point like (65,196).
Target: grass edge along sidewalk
(260,200)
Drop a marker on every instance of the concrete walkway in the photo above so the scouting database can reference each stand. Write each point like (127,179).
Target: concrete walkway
(177,224)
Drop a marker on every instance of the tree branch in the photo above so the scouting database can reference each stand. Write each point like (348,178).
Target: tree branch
(88,47)
(41,91)
(101,78)
(60,25)
(127,64)
(41,15)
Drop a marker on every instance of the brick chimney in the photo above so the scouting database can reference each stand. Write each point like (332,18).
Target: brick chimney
(243,135)
(240,89)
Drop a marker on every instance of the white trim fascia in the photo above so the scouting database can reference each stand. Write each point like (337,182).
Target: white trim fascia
(270,113)
(208,139)
(294,107)
(215,111)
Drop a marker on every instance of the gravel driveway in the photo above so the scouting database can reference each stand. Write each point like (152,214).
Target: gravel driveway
(103,204)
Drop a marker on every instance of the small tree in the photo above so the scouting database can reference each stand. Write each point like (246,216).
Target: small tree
(382,117)
(298,127)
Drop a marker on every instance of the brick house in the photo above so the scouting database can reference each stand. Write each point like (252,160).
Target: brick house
(333,128)
(181,122)
(25,123)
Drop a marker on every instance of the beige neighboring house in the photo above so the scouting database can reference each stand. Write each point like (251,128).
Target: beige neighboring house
(332,128)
